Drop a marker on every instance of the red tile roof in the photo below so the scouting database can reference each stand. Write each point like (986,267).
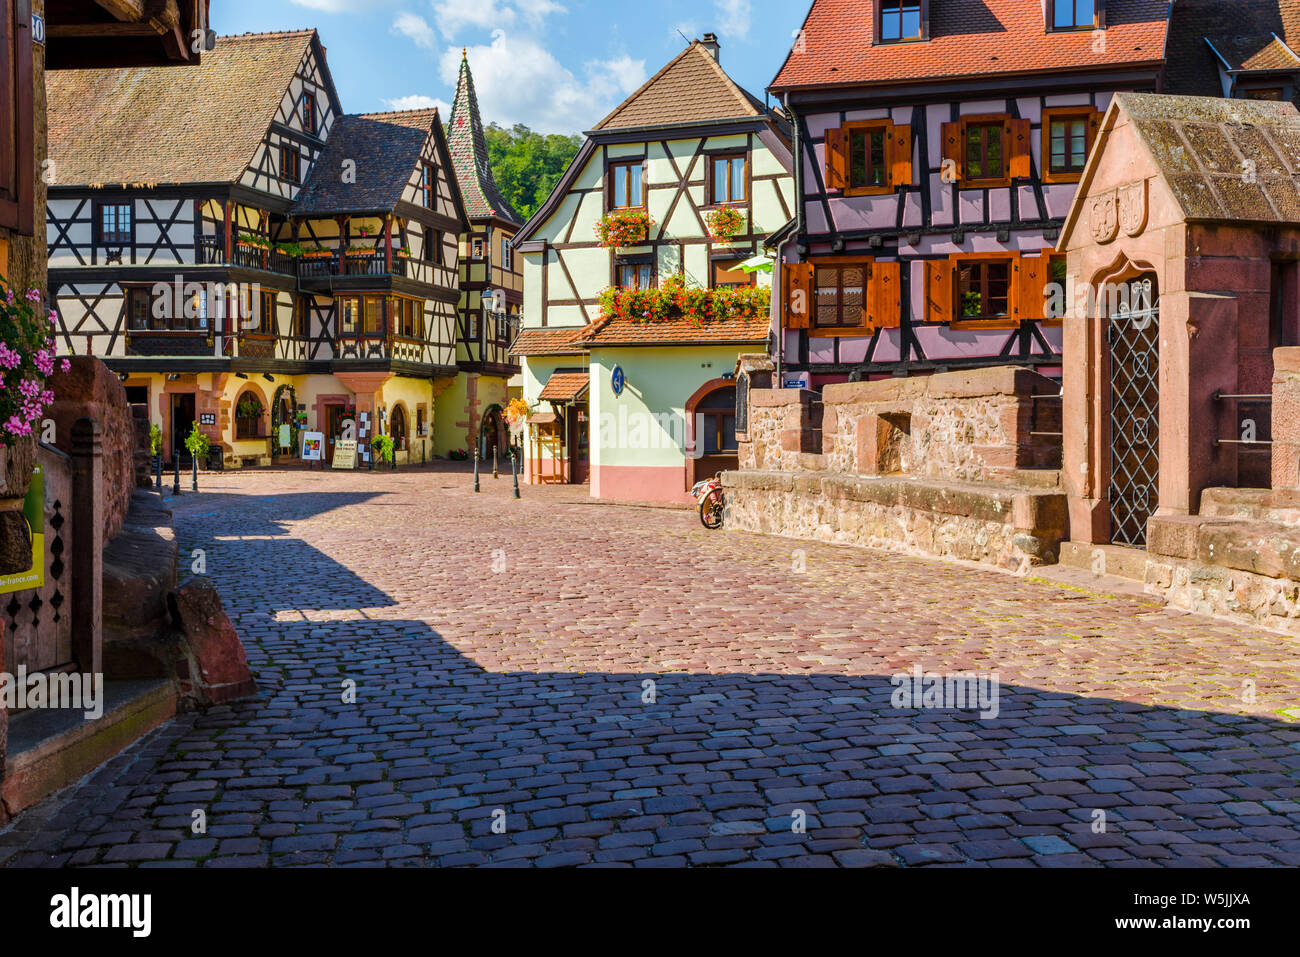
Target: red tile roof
(548,342)
(967,38)
(565,386)
(675,332)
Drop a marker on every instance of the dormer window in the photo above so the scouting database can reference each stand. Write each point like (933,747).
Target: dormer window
(902,21)
(1076,14)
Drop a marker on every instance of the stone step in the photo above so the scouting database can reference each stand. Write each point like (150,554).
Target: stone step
(1114,561)
(50,749)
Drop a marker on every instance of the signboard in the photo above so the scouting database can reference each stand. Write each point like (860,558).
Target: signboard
(38,29)
(313,446)
(34,510)
(796,380)
(345,454)
(286,437)
(207,418)
(618,380)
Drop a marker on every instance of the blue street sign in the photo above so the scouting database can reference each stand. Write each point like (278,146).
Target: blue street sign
(618,381)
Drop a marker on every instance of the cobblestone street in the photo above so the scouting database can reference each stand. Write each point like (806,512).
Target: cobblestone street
(501,652)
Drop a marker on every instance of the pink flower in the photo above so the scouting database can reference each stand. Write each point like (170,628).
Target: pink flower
(33,295)
(15,427)
(9,359)
(65,366)
(30,388)
(44,360)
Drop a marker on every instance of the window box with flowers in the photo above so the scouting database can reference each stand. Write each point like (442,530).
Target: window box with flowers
(249,241)
(676,299)
(725,223)
(248,418)
(317,252)
(624,227)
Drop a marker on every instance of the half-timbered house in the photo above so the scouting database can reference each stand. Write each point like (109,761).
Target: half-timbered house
(249,258)
(491,289)
(941,144)
(640,409)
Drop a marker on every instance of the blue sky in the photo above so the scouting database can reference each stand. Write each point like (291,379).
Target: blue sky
(556,65)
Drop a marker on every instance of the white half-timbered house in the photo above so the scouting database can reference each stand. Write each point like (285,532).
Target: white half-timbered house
(246,257)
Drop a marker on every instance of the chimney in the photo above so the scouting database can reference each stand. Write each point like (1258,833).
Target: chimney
(710,43)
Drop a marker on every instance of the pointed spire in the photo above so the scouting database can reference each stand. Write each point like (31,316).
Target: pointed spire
(469,152)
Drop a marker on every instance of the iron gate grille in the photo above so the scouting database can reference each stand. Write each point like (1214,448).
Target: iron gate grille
(1134,336)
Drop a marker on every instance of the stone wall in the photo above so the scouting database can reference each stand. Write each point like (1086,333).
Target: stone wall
(90,390)
(958,465)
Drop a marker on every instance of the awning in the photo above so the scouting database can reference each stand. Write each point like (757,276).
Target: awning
(566,387)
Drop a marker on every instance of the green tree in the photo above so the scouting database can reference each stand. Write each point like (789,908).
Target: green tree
(527,165)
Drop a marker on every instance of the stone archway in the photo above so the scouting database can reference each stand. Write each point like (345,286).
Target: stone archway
(493,433)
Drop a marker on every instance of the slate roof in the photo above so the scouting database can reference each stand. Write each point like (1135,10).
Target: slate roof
(692,87)
(675,332)
(548,341)
(565,386)
(469,154)
(1198,144)
(201,124)
(967,38)
(1248,34)
(386,148)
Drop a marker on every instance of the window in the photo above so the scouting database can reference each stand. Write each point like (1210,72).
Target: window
(17,109)
(432,246)
(839,295)
(635,276)
(716,412)
(374,316)
(309,113)
(984,289)
(507,255)
(867,158)
(427,183)
(290,164)
(139,310)
(626,185)
(302,319)
(248,416)
(349,310)
(265,314)
(727,181)
(900,20)
(409,318)
(984,154)
(1074,14)
(115,223)
(1273,93)
(1068,144)
(727,274)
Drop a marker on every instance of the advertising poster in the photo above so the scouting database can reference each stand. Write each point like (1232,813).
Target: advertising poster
(313,446)
(34,510)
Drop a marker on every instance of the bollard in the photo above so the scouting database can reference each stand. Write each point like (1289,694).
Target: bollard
(157,467)
(194,473)
(476,488)
(495,472)
(514,471)
(176,478)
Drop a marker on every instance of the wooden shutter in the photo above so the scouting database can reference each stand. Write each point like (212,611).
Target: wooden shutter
(883,305)
(837,159)
(900,156)
(1030,280)
(1020,149)
(797,310)
(17,112)
(951,136)
(940,286)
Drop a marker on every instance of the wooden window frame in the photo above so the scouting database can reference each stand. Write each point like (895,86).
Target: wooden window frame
(898,157)
(132,294)
(266,318)
(637,264)
(841,263)
(868,127)
(432,245)
(476,249)
(308,114)
(102,238)
(613,164)
(751,278)
(428,177)
(1017,149)
(18,107)
(507,254)
(287,150)
(924,35)
(1098,15)
(1091,116)
(1008,321)
(358,322)
(986,121)
(301,319)
(719,413)
(726,156)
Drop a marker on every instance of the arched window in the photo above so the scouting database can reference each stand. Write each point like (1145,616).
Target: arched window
(399,427)
(248,416)
(716,421)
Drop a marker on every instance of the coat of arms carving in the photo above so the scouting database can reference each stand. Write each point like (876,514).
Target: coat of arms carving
(1105,217)
(1132,202)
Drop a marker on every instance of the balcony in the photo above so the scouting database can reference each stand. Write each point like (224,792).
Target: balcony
(211,252)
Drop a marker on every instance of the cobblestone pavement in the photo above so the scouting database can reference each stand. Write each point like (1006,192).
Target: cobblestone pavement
(501,652)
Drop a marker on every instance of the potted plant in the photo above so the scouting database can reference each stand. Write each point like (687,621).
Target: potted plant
(27,362)
(383,446)
(155,440)
(317,252)
(404,253)
(624,227)
(198,444)
(458,455)
(725,223)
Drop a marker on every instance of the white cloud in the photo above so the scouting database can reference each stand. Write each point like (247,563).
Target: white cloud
(454,15)
(336,6)
(417,29)
(519,81)
(537,10)
(737,17)
(418,101)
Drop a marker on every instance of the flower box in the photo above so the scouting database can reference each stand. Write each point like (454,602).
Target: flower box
(725,223)
(624,228)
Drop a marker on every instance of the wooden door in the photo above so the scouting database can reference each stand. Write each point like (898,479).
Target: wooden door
(182,423)
(333,430)
(580,445)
